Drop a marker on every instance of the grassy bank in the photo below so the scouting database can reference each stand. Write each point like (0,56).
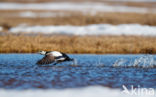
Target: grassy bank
(77,44)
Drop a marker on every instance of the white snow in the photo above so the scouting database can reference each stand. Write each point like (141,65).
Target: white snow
(94,29)
(30,14)
(93,91)
(68,6)
(1,28)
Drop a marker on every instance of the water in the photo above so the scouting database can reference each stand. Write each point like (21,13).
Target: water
(19,71)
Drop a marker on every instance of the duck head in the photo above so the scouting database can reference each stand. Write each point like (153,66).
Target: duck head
(42,52)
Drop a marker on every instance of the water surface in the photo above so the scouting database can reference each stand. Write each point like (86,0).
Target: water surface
(19,71)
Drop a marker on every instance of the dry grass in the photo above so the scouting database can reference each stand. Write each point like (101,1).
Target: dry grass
(77,44)
(80,19)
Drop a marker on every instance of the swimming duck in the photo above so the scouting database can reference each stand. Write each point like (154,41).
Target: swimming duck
(53,57)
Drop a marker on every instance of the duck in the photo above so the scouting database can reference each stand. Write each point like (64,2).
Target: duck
(53,57)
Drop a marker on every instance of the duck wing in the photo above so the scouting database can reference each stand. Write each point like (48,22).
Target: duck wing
(67,58)
(47,59)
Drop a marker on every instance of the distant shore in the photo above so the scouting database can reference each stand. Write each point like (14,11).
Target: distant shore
(78,44)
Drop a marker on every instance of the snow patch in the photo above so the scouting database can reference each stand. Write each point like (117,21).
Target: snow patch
(29,14)
(67,6)
(94,91)
(94,29)
(1,28)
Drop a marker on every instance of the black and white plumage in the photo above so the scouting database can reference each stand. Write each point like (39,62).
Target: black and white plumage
(53,57)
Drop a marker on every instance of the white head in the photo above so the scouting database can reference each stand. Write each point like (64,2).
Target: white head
(42,52)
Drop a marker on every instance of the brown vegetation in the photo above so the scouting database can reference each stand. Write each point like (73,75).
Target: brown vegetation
(80,19)
(77,44)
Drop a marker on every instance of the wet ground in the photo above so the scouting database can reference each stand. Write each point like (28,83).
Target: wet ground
(19,71)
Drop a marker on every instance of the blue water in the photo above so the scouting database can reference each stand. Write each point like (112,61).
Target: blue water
(19,71)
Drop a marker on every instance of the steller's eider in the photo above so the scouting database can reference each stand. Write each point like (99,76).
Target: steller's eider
(53,57)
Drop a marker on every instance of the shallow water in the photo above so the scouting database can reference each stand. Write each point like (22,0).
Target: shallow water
(19,71)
